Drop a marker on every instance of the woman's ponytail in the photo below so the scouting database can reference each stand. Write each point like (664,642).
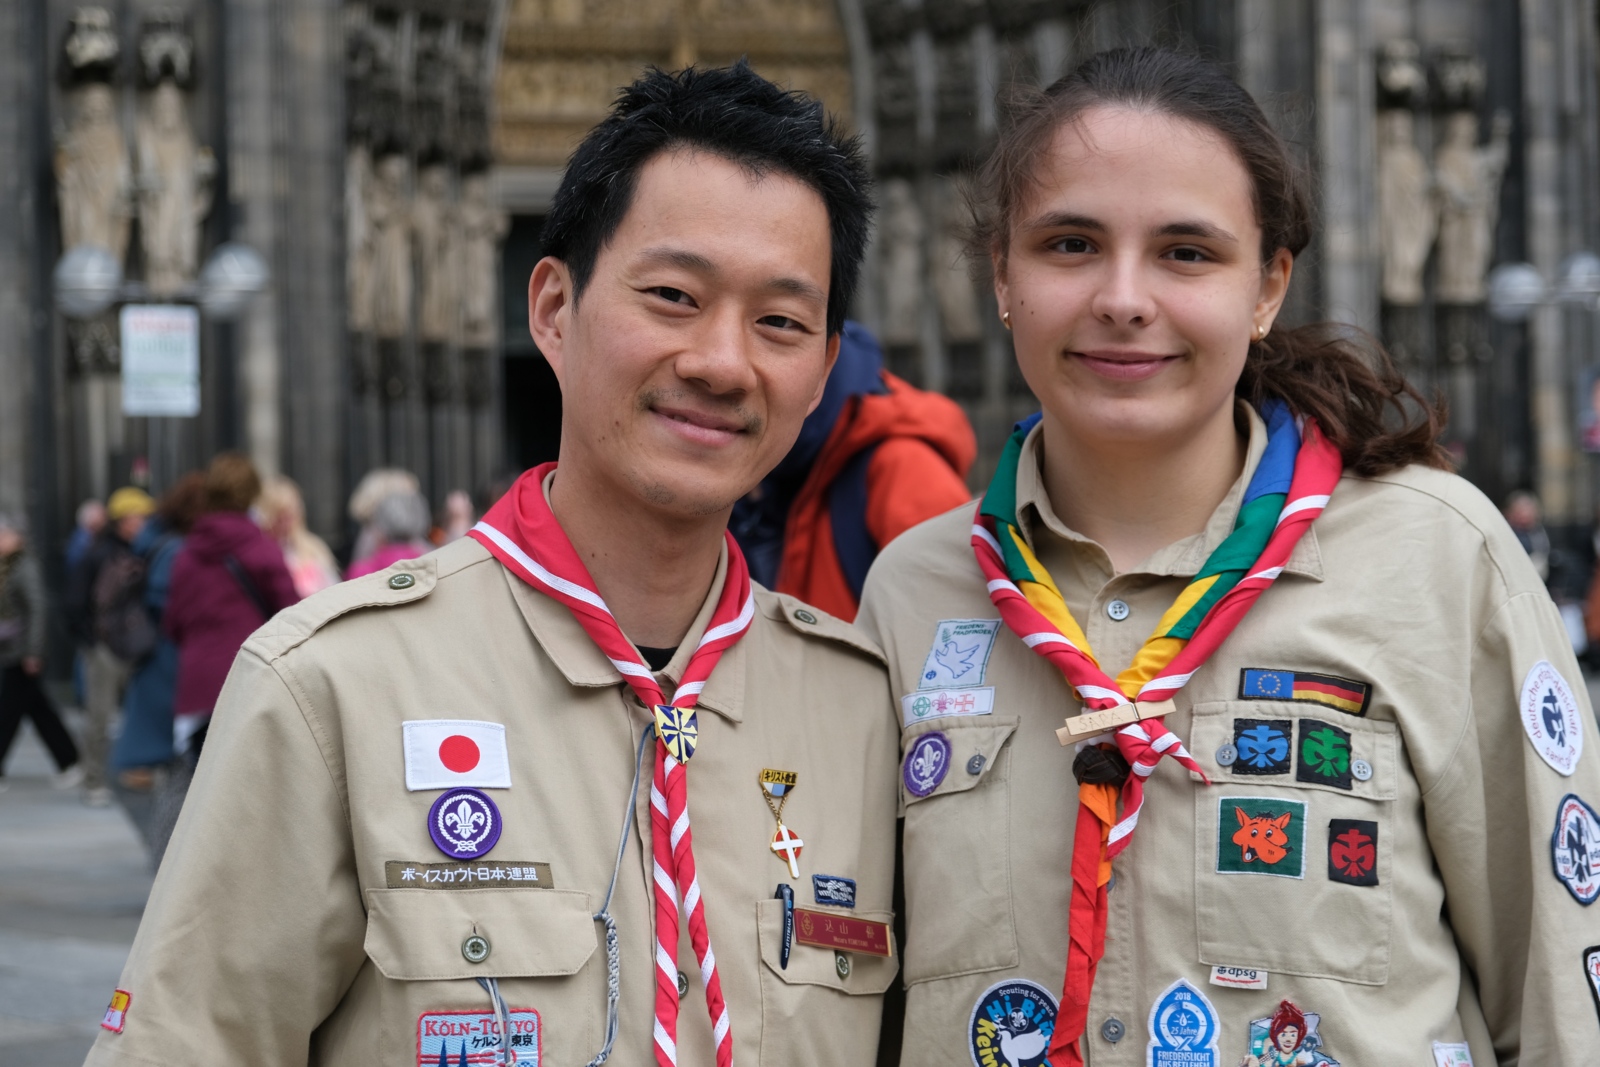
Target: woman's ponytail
(1343,378)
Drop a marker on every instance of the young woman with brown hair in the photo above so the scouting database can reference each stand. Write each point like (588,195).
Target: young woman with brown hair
(1321,717)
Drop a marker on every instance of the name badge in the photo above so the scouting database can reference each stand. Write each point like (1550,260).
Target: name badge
(841,932)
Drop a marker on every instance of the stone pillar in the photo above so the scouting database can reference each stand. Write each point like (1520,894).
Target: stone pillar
(18,89)
(255,125)
(1351,255)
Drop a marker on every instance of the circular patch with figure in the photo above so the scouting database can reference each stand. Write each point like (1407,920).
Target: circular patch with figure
(464,823)
(1011,1025)
(927,762)
(1550,718)
(1575,848)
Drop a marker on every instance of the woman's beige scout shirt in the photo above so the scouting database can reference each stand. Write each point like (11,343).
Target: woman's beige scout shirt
(283,927)
(1423,901)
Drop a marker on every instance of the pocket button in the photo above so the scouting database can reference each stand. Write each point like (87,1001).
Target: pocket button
(475,949)
(1226,755)
(975,764)
(841,963)
(1360,770)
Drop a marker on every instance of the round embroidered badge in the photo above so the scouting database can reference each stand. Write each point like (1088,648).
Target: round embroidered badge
(464,823)
(1011,1025)
(927,762)
(1551,719)
(1575,848)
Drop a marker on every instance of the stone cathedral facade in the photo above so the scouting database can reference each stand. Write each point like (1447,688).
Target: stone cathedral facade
(392,161)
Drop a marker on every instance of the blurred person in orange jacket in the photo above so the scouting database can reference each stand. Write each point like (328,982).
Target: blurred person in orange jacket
(875,458)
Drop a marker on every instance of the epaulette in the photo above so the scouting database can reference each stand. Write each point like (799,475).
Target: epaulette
(814,622)
(404,582)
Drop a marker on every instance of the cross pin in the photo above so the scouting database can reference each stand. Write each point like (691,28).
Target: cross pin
(786,846)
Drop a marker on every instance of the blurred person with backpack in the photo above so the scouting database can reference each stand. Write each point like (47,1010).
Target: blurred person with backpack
(23,631)
(105,609)
(283,515)
(145,742)
(400,526)
(229,578)
(876,457)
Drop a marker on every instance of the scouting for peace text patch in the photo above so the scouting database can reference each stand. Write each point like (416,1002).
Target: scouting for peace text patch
(1011,1025)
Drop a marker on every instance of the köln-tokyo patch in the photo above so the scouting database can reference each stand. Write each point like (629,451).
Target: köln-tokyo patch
(473,1037)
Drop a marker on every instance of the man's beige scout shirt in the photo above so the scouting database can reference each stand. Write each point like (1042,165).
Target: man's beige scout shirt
(282,928)
(1451,927)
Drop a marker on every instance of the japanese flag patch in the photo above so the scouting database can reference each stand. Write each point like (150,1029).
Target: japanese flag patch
(445,753)
(1551,719)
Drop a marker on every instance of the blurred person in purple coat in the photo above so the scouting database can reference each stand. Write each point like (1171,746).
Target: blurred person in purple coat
(229,578)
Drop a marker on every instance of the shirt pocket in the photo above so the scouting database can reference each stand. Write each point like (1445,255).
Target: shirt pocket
(960,917)
(542,946)
(1294,839)
(817,1010)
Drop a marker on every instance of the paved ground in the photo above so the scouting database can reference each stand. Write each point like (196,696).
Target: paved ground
(73,882)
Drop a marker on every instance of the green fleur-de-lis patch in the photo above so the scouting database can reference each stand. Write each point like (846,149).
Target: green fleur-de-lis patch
(1324,752)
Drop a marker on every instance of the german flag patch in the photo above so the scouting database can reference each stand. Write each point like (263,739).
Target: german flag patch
(1342,694)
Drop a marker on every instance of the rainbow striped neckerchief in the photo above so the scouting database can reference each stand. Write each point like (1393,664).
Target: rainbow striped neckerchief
(1289,488)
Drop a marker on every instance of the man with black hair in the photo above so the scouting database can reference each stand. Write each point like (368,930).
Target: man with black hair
(444,812)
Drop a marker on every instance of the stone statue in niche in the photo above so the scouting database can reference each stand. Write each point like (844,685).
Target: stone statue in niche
(93,182)
(358,271)
(1468,177)
(432,219)
(1406,207)
(958,300)
(175,175)
(479,229)
(902,263)
(389,216)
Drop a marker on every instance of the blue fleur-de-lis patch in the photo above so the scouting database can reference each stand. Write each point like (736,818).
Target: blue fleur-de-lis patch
(678,729)
(1262,745)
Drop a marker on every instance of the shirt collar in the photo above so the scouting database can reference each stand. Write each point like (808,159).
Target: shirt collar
(1182,558)
(582,663)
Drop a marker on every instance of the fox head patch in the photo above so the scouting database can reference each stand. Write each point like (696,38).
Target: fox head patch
(1262,837)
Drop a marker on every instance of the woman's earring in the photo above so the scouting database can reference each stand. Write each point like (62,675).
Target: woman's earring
(1258,333)
(1005,319)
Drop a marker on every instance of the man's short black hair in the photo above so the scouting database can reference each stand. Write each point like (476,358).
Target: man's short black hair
(732,112)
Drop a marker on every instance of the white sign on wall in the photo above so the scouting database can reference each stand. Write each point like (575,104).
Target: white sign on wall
(161,360)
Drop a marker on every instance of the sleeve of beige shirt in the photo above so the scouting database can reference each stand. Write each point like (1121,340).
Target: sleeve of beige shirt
(254,927)
(1491,805)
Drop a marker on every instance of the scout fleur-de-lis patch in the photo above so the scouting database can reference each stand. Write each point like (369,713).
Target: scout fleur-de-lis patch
(678,729)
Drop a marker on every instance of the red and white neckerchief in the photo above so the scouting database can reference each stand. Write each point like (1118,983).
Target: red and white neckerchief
(521,532)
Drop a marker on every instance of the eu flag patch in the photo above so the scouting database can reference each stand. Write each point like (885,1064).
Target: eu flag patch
(1342,694)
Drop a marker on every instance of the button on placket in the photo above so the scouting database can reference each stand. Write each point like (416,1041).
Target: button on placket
(1118,610)
(1112,1029)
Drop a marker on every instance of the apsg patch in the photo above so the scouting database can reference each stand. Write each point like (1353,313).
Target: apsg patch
(1011,1025)
(1183,1029)
(959,655)
(457,1037)
(1550,718)
(1261,835)
(1575,848)
(1451,1054)
(1239,977)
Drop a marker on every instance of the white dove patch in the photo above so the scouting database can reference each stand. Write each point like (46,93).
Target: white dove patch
(960,653)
